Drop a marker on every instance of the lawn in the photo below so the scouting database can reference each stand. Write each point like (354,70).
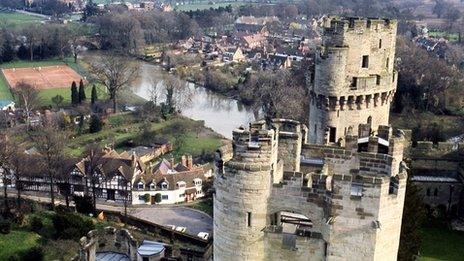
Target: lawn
(17,241)
(120,129)
(203,205)
(47,95)
(453,37)
(18,19)
(441,244)
(202,6)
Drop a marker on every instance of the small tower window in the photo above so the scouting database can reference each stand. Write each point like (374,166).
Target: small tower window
(365,61)
(435,192)
(249,219)
(428,192)
(388,63)
(332,134)
(380,43)
(377,81)
(354,82)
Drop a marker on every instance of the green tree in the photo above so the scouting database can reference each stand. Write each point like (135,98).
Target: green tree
(95,124)
(94,96)
(81,91)
(74,94)
(413,218)
(58,100)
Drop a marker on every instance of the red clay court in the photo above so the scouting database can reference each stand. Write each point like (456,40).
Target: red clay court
(45,77)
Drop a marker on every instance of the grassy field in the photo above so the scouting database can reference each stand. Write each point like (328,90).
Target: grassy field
(17,19)
(441,244)
(202,6)
(453,37)
(203,205)
(17,241)
(197,139)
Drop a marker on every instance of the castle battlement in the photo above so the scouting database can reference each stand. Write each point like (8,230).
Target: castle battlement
(341,25)
(280,181)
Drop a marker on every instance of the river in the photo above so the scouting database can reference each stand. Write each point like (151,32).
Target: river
(220,113)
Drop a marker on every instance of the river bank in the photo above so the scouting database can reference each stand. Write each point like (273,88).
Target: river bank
(220,113)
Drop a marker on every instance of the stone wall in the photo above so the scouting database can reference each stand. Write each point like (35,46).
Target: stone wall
(108,240)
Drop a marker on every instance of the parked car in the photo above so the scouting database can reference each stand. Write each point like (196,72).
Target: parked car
(171,227)
(203,235)
(181,229)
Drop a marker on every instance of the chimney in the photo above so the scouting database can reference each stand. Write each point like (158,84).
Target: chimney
(189,162)
(172,161)
(184,160)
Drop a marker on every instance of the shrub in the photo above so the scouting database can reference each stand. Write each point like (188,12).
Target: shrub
(146,197)
(95,124)
(5,226)
(71,225)
(36,224)
(84,204)
(157,197)
(34,253)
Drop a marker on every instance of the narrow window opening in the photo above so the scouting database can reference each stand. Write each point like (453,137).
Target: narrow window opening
(378,80)
(365,61)
(332,134)
(435,192)
(356,189)
(388,63)
(249,219)
(380,43)
(428,192)
(338,114)
(354,82)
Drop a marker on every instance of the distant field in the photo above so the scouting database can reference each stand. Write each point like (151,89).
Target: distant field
(18,19)
(202,6)
(453,37)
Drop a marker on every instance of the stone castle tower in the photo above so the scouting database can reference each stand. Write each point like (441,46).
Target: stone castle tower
(354,79)
(279,198)
(333,191)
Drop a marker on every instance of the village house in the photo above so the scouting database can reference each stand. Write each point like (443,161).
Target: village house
(233,54)
(118,177)
(169,183)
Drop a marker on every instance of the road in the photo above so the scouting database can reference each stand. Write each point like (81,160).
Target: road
(194,220)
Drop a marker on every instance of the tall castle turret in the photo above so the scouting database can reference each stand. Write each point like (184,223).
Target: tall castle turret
(354,81)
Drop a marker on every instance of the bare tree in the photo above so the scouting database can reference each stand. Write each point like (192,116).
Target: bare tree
(50,142)
(276,94)
(116,73)
(32,34)
(28,97)
(92,162)
(19,168)
(6,149)
(178,94)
